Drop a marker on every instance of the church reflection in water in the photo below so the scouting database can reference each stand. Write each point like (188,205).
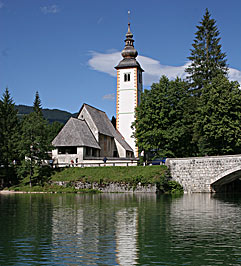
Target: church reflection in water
(93,233)
(126,236)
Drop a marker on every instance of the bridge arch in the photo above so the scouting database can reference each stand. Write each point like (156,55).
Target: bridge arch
(207,174)
(225,177)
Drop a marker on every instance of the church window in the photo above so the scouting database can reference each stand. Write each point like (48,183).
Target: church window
(127,77)
(67,150)
(88,151)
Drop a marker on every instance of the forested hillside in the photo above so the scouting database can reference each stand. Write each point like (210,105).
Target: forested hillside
(50,114)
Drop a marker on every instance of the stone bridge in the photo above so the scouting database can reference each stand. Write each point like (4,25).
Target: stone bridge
(206,174)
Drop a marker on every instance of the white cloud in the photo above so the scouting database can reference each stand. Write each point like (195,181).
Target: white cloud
(154,70)
(53,9)
(105,62)
(234,74)
(109,97)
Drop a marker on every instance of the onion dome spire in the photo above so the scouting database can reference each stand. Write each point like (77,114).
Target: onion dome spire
(129,51)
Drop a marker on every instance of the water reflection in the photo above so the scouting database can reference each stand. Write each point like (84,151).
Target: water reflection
(205,225)
(119,229)
(126,236)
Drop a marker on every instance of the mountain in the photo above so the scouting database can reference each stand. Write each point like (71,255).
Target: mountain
(50,114)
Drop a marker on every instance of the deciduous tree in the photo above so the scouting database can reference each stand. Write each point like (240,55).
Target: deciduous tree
(217,129)
(162,121)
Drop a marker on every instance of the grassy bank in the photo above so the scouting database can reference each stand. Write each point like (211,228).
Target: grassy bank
(132,175)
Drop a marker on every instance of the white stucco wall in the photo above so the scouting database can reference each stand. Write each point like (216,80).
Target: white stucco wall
(128,97)
(66,158)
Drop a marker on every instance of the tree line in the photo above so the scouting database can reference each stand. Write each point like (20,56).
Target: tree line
(24,143)
(197,116)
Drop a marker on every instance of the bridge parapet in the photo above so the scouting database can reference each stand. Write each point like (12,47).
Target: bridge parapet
(197,174)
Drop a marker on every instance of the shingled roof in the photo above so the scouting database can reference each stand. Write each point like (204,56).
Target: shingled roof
(105,126)
(129,63)
(75,133)
(100,119)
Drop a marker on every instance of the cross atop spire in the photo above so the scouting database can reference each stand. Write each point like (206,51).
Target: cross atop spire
(129,14)
(129,53)
(129,50)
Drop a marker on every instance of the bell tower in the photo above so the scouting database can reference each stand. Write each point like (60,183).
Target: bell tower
(129,88)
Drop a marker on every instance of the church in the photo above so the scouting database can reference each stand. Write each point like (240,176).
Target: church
(91,138)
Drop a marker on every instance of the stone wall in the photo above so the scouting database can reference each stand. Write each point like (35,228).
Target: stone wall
(197,174)
(110,187)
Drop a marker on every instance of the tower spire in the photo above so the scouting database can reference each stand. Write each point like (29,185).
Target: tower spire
(129,51)
(129,88)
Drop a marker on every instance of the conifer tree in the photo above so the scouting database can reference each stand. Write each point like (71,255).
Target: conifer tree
(35,142)
(37,104)
(207,59)
(9,136)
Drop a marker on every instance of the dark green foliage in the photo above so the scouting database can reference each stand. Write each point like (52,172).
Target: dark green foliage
(9,137)
(53,130)
(173,187)
(207,59)
(113,121)
(217,129)
(35,142)
(163,124)
(37,104)
(38,175)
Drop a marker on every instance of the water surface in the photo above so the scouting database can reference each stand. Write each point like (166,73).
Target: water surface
(119,229)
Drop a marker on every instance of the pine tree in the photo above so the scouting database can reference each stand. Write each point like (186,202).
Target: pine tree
(9,136)
(37,104)
(207,59)
(35,142)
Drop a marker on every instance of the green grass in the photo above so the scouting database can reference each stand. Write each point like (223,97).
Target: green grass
(131,174)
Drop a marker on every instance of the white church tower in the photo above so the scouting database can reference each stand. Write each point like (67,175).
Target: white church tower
(129,88)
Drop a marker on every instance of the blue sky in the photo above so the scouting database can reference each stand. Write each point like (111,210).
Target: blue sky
(67,49)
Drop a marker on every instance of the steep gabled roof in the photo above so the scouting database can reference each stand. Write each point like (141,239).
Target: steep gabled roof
(105,126)
(100,119)
(75,133)
(121,140)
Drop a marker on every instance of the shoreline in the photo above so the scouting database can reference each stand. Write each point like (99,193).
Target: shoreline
(22,192)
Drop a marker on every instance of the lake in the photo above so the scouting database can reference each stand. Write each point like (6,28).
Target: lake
(120,229)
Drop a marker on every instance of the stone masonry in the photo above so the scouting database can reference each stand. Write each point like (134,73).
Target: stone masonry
(205,174)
